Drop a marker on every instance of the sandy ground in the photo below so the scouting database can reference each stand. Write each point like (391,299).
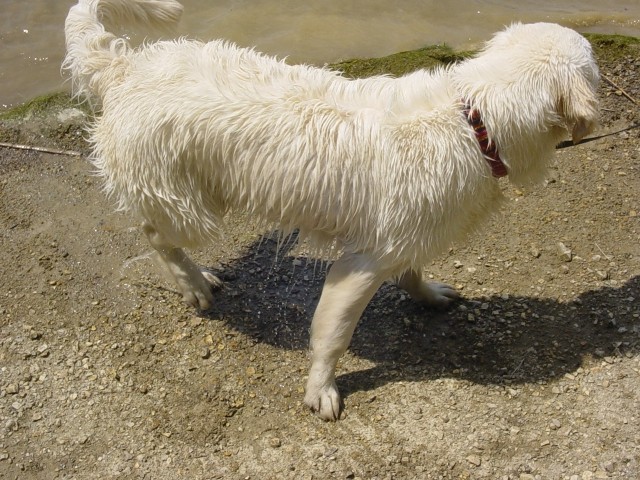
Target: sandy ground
(535,374)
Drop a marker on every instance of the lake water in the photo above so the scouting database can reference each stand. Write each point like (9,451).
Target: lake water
(317,32)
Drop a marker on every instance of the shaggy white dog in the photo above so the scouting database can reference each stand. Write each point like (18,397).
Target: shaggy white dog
(392,169)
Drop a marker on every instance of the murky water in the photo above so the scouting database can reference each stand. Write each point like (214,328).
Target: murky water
(320,31)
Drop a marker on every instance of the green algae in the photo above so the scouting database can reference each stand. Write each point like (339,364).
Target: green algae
(400,63)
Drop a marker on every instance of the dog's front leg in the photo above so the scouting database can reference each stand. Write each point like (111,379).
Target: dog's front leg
(351,282)
(432,293)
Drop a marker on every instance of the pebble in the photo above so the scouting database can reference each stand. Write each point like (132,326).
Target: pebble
(564,252)
(474,460)
(12,389)
(275,442)
(11,425)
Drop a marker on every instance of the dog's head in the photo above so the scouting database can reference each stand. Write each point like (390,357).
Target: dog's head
(533,83)
(558,63)
(577,101)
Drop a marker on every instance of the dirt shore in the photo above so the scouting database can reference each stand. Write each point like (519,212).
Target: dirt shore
(535,374)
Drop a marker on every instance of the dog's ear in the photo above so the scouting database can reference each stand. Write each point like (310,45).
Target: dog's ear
(579,105)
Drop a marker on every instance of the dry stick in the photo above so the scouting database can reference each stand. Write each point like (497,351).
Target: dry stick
(621,90)
(41,149)
(605,255)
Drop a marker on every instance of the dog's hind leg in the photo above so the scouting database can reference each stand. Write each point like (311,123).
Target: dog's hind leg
(432,293)
(195,284)
(351,283)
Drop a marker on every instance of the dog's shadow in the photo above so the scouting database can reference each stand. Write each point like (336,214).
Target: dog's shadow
(271,297)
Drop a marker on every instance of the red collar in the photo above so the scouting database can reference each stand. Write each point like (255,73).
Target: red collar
(489,148)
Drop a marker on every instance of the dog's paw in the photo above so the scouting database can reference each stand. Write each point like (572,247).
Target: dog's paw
(439,295)
(198,291)
(325,402)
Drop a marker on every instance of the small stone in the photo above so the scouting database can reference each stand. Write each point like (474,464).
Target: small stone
(275,442)
(457,264)
(12,389)
(474,460)
(564,252)
(205,353)
(555,424)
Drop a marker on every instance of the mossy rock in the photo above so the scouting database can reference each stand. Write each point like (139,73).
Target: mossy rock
(43,105)
(400,63)
(610,48)
(52,121)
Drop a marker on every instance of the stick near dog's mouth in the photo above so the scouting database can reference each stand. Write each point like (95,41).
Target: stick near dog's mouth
(569,143)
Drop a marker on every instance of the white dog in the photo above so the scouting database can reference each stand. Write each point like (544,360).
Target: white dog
(390,169)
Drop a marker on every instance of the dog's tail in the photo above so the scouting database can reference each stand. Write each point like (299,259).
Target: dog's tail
(95,57)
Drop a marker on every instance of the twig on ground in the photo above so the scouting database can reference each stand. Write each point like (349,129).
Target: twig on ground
(518,367)
(610,82)
(602,252)
(54,151)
